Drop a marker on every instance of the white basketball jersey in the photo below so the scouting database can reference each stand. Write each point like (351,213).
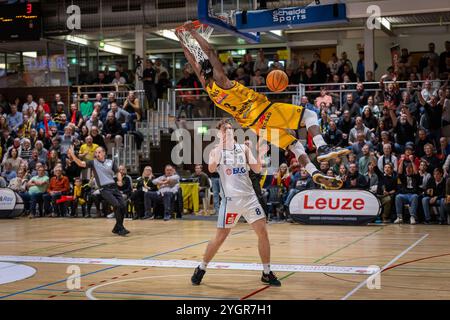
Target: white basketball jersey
(233,171)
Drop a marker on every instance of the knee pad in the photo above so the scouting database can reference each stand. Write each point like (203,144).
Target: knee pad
(310,118)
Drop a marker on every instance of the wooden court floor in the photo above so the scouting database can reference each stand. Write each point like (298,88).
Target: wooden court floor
(416,260)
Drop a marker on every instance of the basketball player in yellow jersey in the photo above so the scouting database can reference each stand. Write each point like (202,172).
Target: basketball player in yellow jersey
(253,110)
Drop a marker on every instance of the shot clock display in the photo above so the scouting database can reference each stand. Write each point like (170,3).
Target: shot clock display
(20,22)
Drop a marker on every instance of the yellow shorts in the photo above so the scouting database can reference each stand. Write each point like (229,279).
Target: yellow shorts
(276,121)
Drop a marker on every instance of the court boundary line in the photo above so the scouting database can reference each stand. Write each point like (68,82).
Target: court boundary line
(385,267)
(112,267)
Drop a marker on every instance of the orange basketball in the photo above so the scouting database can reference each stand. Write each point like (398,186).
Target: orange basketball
(277,81)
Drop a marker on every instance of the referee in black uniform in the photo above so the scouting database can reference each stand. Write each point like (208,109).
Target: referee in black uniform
(104,170)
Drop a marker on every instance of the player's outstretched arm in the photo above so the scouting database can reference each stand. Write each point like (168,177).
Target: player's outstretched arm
(219,73)
(194,64)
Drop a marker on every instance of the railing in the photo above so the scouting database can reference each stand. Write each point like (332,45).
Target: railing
(127,155)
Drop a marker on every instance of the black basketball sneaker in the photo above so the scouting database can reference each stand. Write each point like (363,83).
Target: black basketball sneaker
(270,279)
(197,276)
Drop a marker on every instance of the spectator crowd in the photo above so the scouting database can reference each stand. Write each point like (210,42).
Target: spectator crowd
(393,127)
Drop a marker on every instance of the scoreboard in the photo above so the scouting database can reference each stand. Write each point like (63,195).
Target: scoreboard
(20,22)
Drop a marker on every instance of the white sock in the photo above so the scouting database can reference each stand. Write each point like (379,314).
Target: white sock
(318,141)
(203,265)
(311,168)
(298,149)
(266,268)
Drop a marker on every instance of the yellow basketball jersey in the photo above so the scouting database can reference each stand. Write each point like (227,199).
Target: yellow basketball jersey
(244,104)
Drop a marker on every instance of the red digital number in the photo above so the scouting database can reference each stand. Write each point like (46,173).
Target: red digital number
(29,8)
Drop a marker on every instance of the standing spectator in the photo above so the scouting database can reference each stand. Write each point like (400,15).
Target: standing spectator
(97,138)
(257,80)
(204,185)
(319,68)
(369,119)
(37,187)
(248,64)
(408,193)
(434,196)
(75,116)
(149,78)
(231,67)
(188,97)
(261,63)
(94,121)
(58,100)
(334,64)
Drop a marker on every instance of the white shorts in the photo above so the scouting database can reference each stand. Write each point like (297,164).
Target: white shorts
(231,209)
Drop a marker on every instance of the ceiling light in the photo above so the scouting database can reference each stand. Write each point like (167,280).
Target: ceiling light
(169,34)
(77,40)
(112,49)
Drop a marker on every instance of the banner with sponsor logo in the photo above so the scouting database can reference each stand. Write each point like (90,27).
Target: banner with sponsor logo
(353,207)
(11,204)
(291,17)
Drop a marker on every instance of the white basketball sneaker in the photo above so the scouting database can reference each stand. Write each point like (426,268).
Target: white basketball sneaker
(398,221)
(412,220)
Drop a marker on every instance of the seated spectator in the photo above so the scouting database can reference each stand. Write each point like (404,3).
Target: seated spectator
(55,103)
(242,77)
(422,140)
(387,187)
(359,127)
(345,124)
(15,118)
(29,104)
(404,128)
(80,196)
(364,160)
(112,130)
(118,79)
(37,187)
(13,159)
(443,150)
(8,173)
(430,158)
(132,106)
(144,184)
(122,117)
(75,116)
(434,196)
(360,95)
(372,176)
(59,185)
(19,185)
(351,106)
(258,80)
(408,158)
(97,138)
(86,107)
(168,185)
(357,146)
(369,119)
(408,192)
(386,158)
(45,106)
(333,136)
(324,97)
(300,180)
(53,160)
(354,179)
(203,180)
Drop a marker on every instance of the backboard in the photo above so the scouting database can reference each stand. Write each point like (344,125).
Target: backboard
(246,18)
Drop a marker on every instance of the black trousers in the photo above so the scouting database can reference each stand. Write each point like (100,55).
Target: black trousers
(114,198)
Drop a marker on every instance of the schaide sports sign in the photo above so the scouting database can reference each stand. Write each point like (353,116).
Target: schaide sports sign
(334,207)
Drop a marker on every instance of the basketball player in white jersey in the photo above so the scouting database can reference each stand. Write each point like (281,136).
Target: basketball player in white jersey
(233,161)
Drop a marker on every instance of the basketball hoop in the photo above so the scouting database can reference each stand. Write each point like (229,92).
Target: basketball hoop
(189,41)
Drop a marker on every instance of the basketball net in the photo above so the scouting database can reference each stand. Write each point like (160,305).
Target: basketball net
(189,41)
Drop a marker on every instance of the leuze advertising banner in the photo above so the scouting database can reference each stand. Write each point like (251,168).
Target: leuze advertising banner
(352,207)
